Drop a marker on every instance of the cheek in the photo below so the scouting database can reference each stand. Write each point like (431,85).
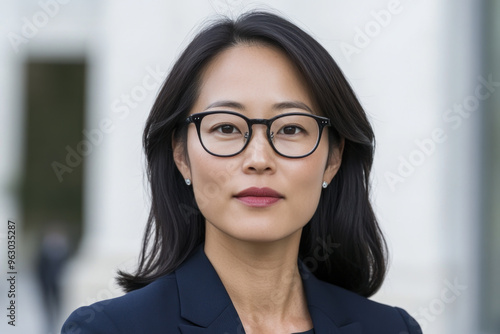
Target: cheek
(210,176)
(305,184)
(208,191)
(306,179)
(311,169)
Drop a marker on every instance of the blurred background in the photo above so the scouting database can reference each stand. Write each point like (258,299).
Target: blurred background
(78,78)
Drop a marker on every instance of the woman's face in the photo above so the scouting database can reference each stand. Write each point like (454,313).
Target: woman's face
(253,80)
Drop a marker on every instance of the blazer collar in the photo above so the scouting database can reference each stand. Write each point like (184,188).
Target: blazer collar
(204,301)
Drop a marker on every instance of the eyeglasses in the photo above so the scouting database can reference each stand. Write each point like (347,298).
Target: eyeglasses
(227,133)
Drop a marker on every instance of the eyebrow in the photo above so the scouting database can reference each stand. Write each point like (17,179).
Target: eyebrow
(277,106)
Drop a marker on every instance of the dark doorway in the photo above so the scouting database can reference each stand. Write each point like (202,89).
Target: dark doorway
(55,103)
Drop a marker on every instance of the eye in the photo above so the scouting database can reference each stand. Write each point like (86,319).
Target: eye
(226,129)
(290,130)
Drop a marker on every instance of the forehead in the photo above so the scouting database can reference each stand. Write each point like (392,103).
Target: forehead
(255,76)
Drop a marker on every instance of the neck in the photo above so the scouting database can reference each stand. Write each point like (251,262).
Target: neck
(262,280)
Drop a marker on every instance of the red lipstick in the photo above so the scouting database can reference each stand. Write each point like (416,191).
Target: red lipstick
(258,197)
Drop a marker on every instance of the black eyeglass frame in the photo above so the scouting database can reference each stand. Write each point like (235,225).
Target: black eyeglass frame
(198,117)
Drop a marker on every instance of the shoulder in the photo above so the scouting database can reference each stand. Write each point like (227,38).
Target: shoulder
(348,308)
(145,310)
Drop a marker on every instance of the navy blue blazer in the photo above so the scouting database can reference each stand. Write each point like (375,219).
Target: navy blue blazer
(193,300)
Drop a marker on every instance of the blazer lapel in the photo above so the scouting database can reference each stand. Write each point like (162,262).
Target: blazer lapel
(204,301)
(206,306)
(227,323)
(327,315)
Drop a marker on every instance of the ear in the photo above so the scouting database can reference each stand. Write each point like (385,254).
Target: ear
(181,157)
(334,162)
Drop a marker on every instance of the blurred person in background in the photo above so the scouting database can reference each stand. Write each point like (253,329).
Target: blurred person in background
(52,256)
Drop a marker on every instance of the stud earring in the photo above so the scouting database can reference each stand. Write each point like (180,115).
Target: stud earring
(325,184)
(188,182)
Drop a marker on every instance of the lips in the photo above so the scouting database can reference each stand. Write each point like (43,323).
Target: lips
(258,197)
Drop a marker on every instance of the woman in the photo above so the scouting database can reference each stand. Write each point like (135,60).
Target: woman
(259,158)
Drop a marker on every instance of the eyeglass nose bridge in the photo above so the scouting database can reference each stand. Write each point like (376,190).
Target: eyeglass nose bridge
(262,121)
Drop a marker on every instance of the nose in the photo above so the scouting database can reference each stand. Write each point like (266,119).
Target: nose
(259,156)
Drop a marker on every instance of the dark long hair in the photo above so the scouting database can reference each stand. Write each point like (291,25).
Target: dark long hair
(342,243)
